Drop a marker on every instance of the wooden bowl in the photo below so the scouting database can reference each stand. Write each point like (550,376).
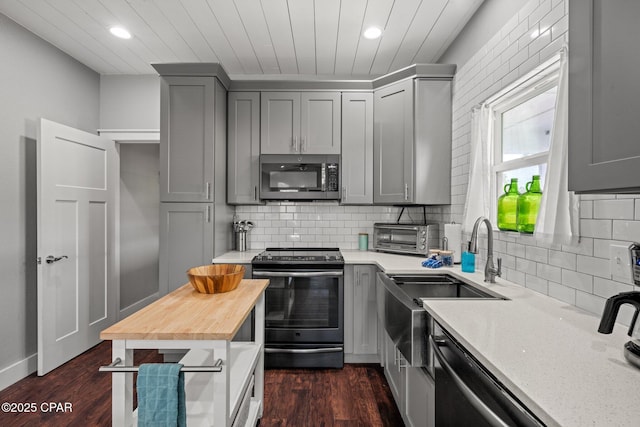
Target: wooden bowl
(215,278)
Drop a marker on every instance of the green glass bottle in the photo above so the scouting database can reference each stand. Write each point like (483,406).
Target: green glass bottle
(528,205)
(508,207)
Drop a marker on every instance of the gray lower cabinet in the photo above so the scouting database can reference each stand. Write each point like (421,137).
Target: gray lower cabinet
(360,313)
(604,58)
(412,143)
(300,123)
(420,402)
(243,166)
(357,148)
(395,373)
(186,240)
(412,387)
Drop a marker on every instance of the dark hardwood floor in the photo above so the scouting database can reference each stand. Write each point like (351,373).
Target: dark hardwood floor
(357,395)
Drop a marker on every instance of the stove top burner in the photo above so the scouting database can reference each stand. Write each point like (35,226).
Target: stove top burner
(299,255)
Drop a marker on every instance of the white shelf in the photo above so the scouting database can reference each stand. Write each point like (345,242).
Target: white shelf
(199,386)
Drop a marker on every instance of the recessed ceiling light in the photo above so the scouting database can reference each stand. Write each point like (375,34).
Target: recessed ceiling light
(120,32)
(372,33)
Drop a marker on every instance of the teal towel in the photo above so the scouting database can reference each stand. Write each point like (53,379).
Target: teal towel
(161,395)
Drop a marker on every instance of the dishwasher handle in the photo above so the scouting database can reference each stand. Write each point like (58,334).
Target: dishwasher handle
(490,416)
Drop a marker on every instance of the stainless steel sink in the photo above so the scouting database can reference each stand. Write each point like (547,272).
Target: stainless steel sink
(404,317)
(440,286)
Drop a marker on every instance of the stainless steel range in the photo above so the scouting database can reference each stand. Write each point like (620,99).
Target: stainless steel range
(304,319)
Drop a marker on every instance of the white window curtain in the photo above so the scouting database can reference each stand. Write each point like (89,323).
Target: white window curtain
(478,202)
(559,215)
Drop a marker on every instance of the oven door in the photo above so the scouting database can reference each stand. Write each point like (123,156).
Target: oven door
(303,306)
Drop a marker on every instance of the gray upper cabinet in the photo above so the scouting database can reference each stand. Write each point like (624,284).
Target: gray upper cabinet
(320,123)
(187,138)
(357,148)
(604,57)
(300,123)
(243,148)
(412,143)
(280,122)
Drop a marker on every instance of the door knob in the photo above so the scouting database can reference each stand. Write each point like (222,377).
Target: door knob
(51,259)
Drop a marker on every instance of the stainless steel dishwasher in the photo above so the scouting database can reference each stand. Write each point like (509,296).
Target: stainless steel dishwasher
(469,395)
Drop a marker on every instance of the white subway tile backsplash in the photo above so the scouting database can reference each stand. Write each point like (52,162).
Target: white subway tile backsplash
(613,209)
(526,266)
(586,209)
(537,284)
(562,259)
(584,247)
(594,266)
(598,228)
(562,293)
(537,254)
(607,288)
(589,302)
(576,280)
(626,230)
(549,272)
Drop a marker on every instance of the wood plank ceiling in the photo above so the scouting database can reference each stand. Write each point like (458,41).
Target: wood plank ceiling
(248,37)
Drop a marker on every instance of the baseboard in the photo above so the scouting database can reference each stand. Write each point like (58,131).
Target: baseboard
(127,311)
(361,358)
(19,370)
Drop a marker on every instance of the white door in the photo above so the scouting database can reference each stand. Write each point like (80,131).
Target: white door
(77,284)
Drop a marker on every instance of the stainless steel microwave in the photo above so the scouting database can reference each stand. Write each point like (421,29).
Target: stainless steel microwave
(299,177)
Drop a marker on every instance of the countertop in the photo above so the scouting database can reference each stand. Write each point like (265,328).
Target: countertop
(548,353)
(186,314)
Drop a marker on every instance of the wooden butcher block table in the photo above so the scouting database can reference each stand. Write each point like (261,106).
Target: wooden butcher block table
(204,324)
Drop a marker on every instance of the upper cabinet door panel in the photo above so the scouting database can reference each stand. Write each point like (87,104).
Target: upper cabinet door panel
(320,123)
(357,148)
(280,123)
(187,139)
(243,147)
(604,96)
(393,143)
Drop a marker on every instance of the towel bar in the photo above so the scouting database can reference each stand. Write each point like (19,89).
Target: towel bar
(113,367)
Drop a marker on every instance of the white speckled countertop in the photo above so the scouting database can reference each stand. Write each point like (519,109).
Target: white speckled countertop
(548,353)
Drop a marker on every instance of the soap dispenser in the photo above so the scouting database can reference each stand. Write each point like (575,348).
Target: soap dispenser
(468,259)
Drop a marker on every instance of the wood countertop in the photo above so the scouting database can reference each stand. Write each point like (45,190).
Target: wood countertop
(185,314)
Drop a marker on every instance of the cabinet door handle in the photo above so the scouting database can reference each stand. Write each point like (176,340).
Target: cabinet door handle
(406,191)
(207,215)
(344,193)
(294,146)
(255,192)
(303,147)
(208,190)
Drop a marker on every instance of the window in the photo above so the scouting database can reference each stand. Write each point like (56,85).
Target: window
(523,122)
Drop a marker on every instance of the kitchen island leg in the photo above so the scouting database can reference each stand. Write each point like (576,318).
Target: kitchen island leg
(122,386)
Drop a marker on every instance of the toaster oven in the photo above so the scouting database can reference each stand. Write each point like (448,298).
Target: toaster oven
(410,239)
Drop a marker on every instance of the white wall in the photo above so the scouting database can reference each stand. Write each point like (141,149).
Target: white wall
(579,275)
(139,223)
(36,80)
(130,102)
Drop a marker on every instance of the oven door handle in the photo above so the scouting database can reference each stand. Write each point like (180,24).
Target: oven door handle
(490,416)
(303,350)
(324,273)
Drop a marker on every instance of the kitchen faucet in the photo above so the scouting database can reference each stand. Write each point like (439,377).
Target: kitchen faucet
(490,272)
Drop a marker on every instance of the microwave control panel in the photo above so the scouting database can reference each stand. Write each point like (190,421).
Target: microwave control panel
(332,177)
